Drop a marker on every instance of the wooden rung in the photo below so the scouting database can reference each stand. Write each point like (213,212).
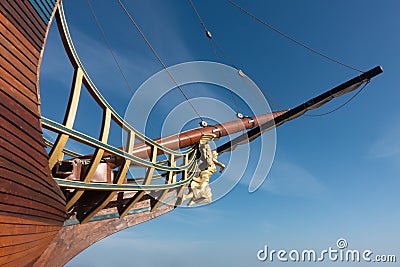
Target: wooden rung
(135,199)
(159,200)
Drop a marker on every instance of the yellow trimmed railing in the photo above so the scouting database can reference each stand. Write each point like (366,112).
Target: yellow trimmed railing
(152,167)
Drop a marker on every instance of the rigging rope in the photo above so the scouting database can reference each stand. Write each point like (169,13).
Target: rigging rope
(225,54)
(116,59)
(198,16)
(226,79)
(289,37)
(213,40)
(215,45)
(109,46)
(159,59)
(341,106)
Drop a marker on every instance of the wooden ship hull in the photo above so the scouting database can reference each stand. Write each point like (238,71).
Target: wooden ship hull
(34,225)
(32,205)
(43,222)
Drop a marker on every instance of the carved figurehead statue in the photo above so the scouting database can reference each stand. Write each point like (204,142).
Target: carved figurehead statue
(199,188)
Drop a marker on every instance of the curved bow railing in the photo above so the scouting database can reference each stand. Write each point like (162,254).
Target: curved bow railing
(75,189)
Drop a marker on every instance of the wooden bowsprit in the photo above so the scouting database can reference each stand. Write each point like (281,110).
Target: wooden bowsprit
(311,104)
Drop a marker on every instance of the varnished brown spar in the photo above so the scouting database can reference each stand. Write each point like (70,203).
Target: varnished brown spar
(32,207)
(191,137)
(39,224)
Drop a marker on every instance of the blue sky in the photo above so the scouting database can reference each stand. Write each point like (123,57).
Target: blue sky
(333,176)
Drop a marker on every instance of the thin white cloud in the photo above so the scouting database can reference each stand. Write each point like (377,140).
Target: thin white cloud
(290,179)
(98,61)
(137,64)
(205,215)
(387,145)
(55,65)
(287,179)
